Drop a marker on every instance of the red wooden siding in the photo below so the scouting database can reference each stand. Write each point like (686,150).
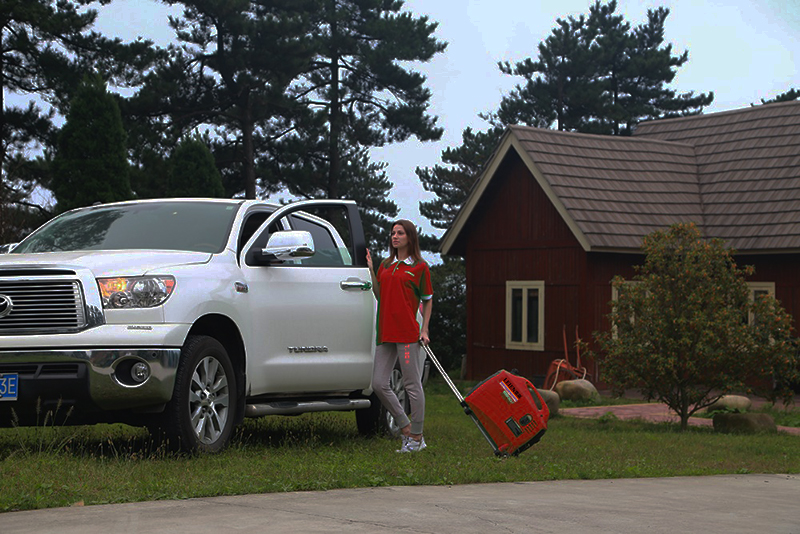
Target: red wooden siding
(515,233)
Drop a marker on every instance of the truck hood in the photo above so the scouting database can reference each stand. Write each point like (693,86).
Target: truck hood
(107,262)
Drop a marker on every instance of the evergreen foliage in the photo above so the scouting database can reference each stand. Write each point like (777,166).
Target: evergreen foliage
(232,72)
(367,183)
(358,95)
(558,84)
(452,184)
(788,96)
(597,74)
(91,162)
(193,172)
(47,47)
(686,331)
(188,171)
(594,73)
(33,62)
(449,314)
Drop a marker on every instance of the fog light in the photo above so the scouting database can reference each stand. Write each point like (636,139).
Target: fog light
(140,372)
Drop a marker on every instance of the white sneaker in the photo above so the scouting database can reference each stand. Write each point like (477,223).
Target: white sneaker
(412,445)
(403,442)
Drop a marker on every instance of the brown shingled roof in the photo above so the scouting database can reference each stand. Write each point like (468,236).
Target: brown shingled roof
(748,169)
(736,174)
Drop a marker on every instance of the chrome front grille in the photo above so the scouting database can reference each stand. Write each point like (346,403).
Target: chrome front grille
(31,306)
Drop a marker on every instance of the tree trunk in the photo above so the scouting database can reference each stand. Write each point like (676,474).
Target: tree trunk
(248,157)
(684,413)
(334,158)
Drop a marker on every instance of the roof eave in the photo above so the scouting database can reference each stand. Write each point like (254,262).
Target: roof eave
(508,142)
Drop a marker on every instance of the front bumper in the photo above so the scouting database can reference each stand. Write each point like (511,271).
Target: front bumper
(90,379)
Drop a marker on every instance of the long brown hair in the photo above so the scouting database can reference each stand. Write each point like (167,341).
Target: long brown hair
(413,241)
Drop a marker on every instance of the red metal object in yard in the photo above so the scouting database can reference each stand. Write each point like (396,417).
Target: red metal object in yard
(511,412)
(505,407)
(561,369)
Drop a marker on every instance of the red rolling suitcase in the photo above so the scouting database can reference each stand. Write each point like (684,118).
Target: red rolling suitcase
(506,408)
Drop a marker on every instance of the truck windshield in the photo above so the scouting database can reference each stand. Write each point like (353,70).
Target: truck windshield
(191,226)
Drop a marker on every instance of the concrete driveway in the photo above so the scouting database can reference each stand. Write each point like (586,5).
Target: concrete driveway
(724,504)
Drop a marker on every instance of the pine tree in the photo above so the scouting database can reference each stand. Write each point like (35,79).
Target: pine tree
(650,67)
(232,73)
(91,162)
(451,184)
(787,96)
(30,64)
(593,74)
(366,182)
(47,47)
(359,93)
(558,85)
(597,74)
(193,172)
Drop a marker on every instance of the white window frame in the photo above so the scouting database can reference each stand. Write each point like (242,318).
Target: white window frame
(755,287)
(615,298)
(524,285)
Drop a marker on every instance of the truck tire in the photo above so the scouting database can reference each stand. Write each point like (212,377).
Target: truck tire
(201,415)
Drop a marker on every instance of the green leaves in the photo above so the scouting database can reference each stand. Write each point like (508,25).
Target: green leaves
(686,329)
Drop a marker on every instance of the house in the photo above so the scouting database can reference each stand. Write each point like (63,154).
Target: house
(555,216)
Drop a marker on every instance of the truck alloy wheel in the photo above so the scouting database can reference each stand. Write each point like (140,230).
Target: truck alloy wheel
(203,405)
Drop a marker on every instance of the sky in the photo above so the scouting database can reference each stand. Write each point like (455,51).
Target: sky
(742,50)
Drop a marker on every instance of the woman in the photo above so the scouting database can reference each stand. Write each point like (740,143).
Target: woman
(402,282)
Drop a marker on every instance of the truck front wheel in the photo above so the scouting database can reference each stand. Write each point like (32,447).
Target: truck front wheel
(200,417)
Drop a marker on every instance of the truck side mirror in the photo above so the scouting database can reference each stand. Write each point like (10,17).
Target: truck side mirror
(288,245)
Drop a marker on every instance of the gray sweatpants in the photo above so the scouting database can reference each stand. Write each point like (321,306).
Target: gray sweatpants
(386,354)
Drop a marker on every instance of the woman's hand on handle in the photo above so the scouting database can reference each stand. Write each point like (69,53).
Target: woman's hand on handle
(424,338)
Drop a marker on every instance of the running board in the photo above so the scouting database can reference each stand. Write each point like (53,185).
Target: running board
(295,408)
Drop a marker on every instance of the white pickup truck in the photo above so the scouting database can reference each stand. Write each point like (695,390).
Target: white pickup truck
(187,315)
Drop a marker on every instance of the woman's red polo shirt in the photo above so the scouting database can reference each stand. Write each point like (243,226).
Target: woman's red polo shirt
(402,285)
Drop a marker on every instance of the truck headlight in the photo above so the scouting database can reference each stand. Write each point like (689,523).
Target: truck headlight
(135,291)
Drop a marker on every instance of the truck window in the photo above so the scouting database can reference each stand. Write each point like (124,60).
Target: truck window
(330,248)
(329,226)
(251,224)
(199,226)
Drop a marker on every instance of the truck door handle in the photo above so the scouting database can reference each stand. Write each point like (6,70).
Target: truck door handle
(355,283)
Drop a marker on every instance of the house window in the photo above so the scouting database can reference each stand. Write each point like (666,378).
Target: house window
(616,291)
(758,290)
(525,315)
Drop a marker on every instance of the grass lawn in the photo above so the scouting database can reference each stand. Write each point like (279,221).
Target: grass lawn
(49,467)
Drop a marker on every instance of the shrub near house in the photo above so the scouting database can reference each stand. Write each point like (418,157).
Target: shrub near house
(687,332)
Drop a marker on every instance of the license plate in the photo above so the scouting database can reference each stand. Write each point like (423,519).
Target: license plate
(8,386)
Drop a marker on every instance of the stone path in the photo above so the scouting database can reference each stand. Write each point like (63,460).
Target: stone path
(653,411)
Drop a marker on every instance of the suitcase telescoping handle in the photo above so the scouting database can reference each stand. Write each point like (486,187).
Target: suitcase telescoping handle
(460,398)
(444,374)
